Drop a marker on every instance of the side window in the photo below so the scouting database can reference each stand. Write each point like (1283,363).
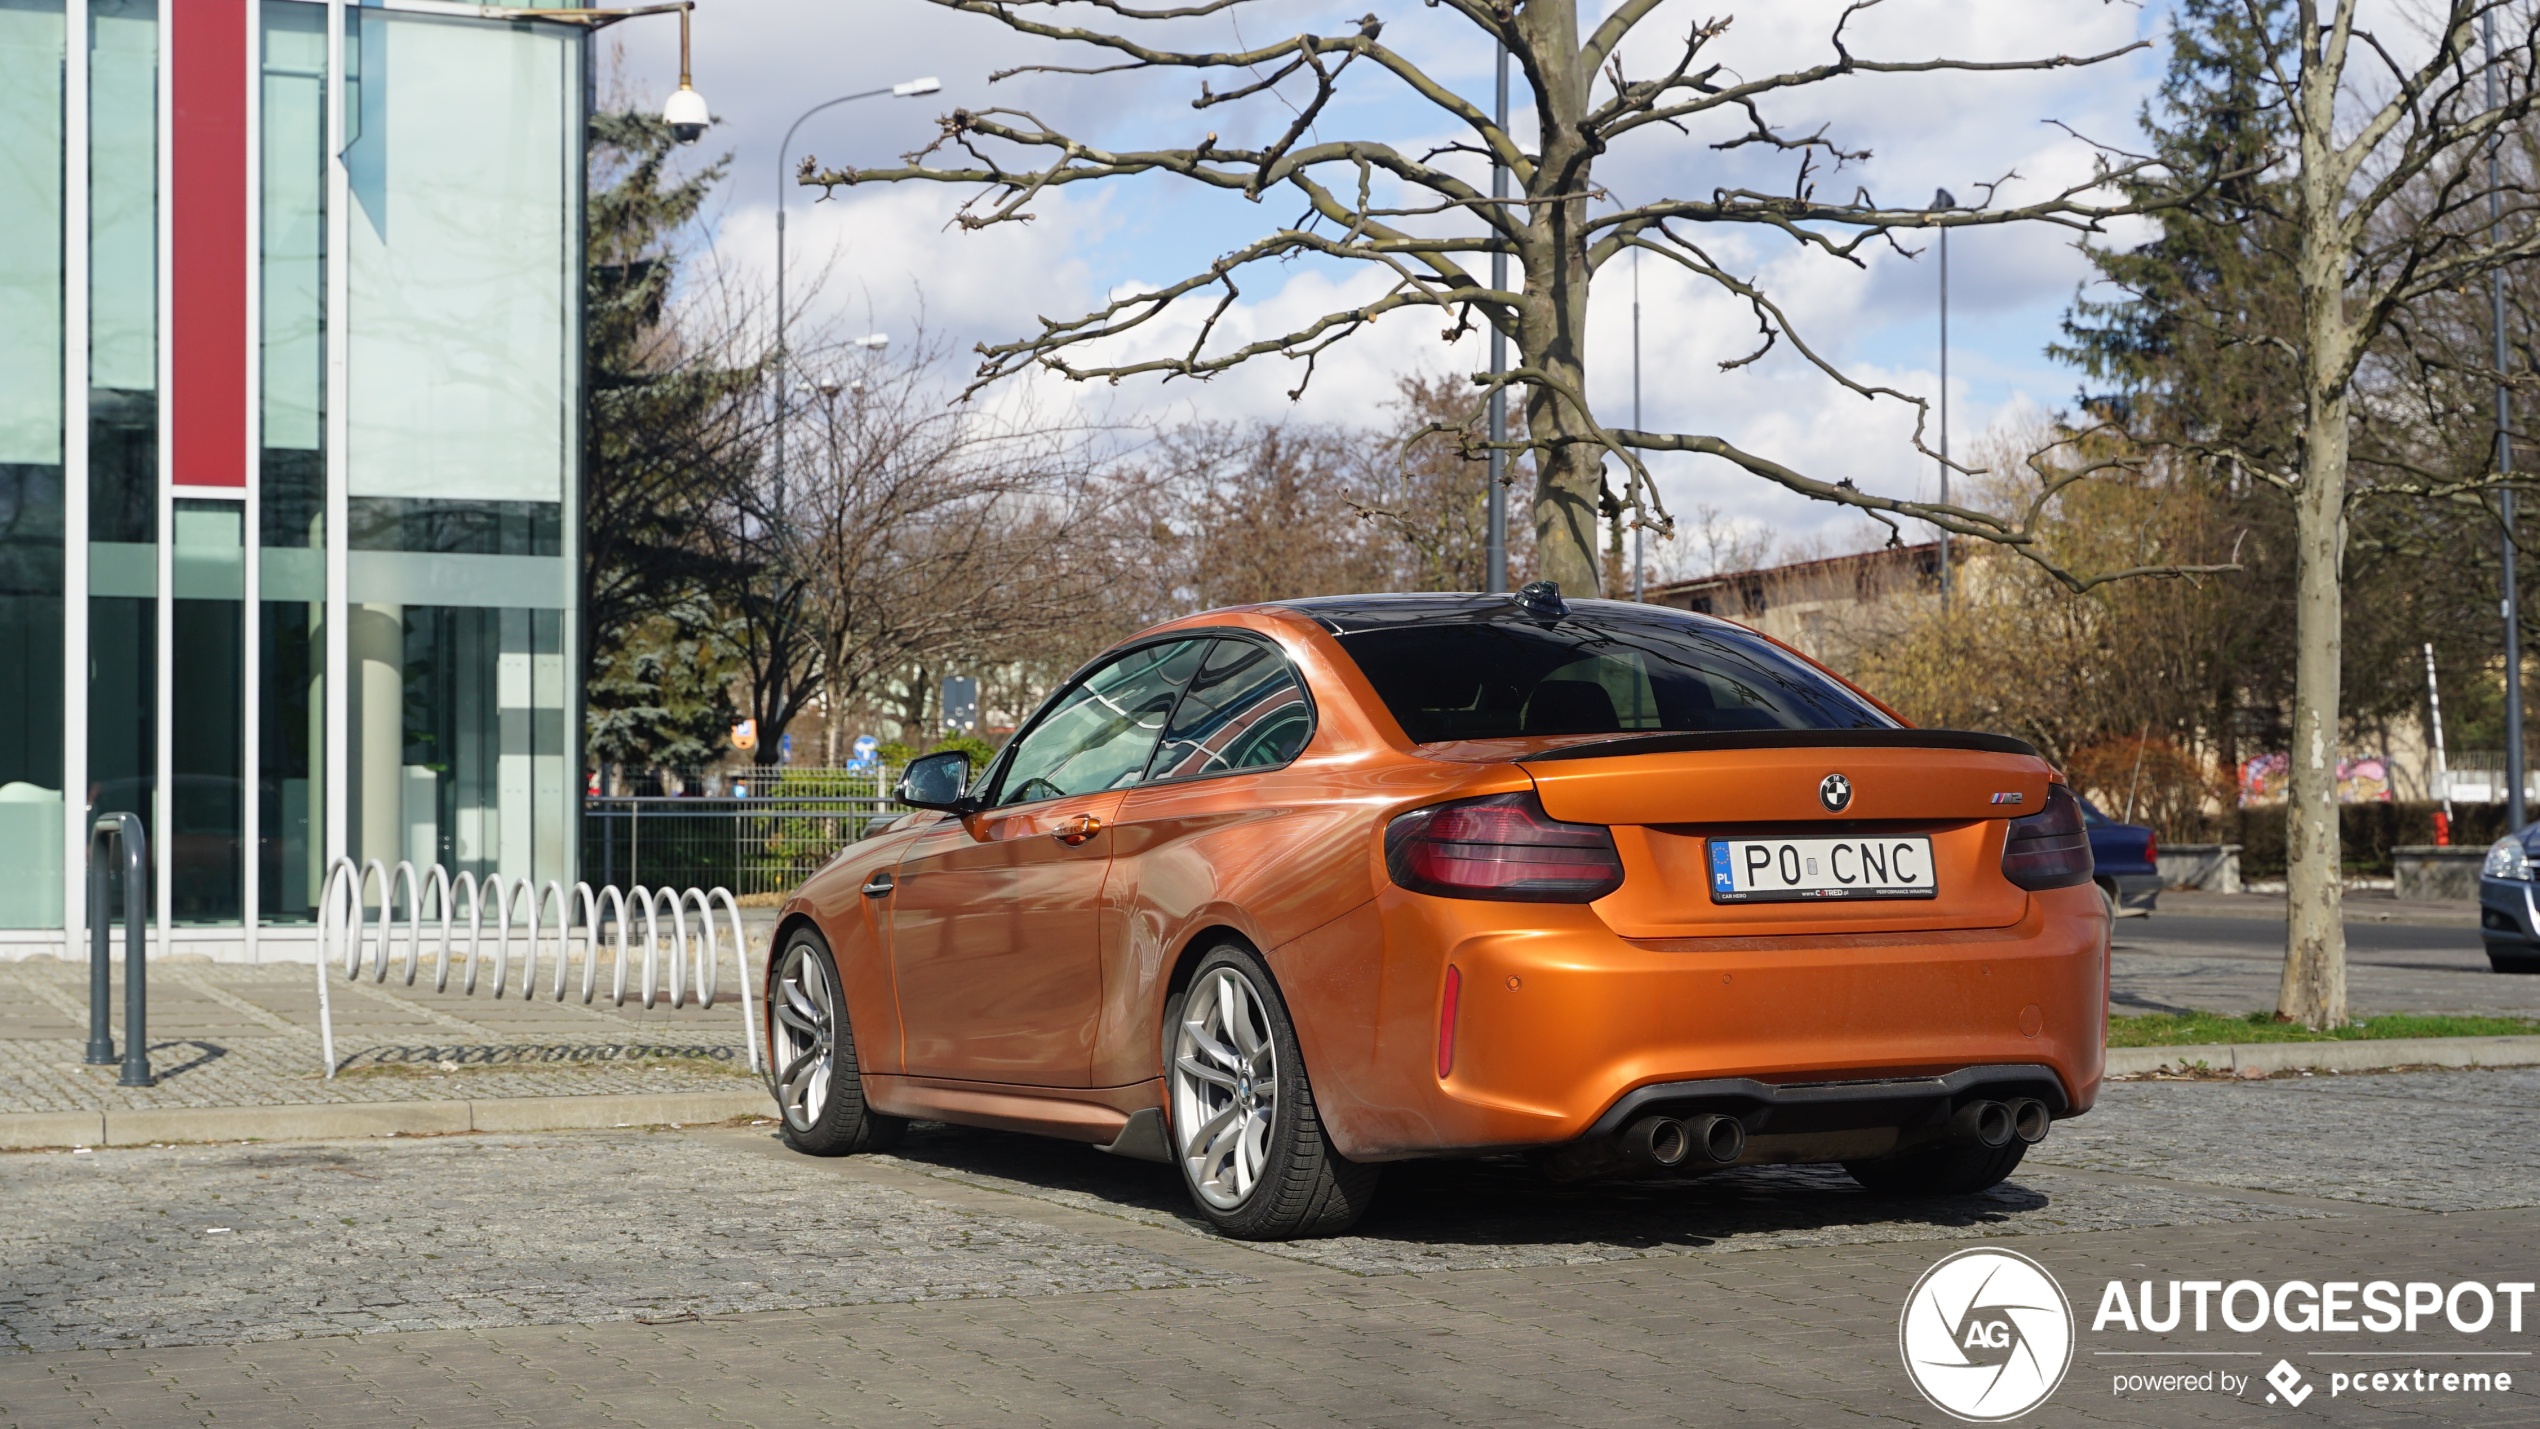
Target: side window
(1100,734)
(1245,710)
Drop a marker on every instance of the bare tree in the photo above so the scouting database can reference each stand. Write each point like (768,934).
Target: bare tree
(1424,219)
(924,534)
(2390,203)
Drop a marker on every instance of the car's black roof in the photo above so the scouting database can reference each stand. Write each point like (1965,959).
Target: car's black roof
(1342,614)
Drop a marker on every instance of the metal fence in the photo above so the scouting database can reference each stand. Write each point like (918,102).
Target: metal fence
(764,842)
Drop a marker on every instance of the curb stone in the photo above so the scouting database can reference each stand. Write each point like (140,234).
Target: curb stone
(25,1131)
(2362,1056)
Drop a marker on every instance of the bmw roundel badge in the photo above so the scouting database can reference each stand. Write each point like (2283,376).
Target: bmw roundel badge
(1835,792)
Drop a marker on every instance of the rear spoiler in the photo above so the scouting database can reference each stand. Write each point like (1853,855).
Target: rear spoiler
(1675,743)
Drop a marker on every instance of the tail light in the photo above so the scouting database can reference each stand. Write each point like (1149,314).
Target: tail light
(2152,849)
(2050,848)
(1503,847)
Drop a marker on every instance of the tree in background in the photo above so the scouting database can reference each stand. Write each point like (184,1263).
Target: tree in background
(2378,202)
(1424,219)
(672,428)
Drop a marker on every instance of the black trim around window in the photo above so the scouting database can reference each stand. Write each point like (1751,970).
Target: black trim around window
(994,775)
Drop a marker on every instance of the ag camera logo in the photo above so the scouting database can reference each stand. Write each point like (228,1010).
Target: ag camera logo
(1987,1335)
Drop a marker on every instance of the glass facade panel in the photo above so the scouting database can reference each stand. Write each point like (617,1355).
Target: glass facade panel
(123,409)
(291,698)
(464,179)
(206,807)
(123,274)
(463,748)
(31,535)
(290,771)
(293,229)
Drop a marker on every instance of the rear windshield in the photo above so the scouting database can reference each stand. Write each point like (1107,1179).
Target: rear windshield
(1595,673)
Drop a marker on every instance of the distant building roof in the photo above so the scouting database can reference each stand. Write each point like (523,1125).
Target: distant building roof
(1858,576)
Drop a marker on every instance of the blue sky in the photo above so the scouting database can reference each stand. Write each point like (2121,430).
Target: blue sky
(890,259)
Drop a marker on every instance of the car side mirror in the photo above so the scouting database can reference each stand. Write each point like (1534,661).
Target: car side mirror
(938,781)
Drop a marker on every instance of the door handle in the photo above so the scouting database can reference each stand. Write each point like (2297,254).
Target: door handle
(879,885)
(1076,830)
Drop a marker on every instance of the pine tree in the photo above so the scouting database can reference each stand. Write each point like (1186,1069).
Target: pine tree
(672,429)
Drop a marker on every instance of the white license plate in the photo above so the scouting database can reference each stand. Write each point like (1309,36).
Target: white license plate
(1790,870)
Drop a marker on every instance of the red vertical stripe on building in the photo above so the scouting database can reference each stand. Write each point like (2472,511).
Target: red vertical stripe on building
(208,267)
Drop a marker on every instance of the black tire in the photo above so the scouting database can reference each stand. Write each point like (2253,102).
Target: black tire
(1939,1170)
(1302,1187)
(2513,962)
(822,1111)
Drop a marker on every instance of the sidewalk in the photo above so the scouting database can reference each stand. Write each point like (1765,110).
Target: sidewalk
(236,1052)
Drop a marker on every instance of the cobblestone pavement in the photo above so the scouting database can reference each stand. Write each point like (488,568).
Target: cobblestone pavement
(229,1034)
(978,1278)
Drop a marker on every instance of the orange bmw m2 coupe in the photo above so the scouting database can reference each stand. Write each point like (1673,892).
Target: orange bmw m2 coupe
(1279,894)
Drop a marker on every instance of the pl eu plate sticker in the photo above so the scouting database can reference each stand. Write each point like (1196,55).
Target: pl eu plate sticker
(1722,881)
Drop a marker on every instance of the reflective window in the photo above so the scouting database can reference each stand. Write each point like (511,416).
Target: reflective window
(1604,671)
(1101,733)
(123,272)
(463,176)
(292,288)
(461,759)
(207,665)
(1244,710)
(31,822)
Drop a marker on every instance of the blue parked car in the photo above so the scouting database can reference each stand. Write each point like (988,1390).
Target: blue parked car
(2508,921)
(2126,864)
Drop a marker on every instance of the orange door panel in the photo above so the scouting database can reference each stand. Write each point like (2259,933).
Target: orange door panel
(995,942)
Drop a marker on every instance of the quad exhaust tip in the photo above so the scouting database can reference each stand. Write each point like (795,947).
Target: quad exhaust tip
(1666,1143)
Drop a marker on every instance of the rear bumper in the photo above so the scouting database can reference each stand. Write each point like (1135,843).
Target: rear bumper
(1559,1025)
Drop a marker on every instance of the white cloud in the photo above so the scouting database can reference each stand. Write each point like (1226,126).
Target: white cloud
(894,256)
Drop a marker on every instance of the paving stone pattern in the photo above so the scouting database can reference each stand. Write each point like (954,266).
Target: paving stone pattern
(246,1035)
(255,1243)
(976,1278)
(2430,1141)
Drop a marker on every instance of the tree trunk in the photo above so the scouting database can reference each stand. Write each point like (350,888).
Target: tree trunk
(1552,331)
(2313,991)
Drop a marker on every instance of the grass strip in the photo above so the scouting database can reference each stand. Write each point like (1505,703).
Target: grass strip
(2187,1029)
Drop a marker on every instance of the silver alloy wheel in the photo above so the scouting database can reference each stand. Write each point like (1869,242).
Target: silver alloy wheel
(806,1036)
(1225,1087)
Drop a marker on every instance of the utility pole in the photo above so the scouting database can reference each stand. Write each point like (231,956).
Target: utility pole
(1943,199)
(784,358)
(1638,527)
(1495,559)
(2512,608)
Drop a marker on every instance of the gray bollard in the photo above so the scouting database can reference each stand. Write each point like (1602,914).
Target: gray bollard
(125,831)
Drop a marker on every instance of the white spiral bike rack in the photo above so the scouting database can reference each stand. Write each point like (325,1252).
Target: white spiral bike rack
(691,961)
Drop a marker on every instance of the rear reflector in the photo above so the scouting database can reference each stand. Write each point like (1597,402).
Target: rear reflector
(1446,1020)
(1502,847)
(2050,848)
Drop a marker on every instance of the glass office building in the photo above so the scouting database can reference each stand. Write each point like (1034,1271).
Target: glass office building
(289,393)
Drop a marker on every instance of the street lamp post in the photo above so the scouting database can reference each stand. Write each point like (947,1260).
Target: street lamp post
(2512,605)
(784,356)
